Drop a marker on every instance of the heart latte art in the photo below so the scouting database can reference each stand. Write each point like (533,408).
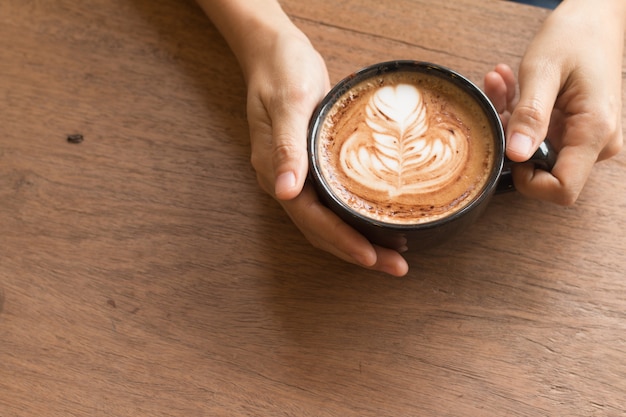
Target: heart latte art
(403,151)
(405,148)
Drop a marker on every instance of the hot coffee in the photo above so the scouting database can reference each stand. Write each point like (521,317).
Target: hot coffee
(406,147)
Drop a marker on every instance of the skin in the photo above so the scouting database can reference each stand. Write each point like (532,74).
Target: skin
(564,93)
(570,81)
(286,78)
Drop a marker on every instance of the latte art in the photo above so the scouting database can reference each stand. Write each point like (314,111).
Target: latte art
(405,148)
(405,151)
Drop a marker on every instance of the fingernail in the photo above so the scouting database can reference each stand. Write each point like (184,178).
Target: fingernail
(521,145)
(285,182)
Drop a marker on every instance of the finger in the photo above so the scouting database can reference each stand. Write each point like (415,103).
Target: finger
(328,232)
(563,184)
(390,262)
(289,153)
(496,90)
(508,76)
(505,120)
(528,125)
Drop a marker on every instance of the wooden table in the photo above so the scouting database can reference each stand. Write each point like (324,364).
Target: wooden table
(144,273)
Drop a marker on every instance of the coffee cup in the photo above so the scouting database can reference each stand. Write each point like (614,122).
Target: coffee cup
(409,153)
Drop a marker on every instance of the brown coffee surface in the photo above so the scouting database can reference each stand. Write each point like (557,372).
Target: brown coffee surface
(406,148)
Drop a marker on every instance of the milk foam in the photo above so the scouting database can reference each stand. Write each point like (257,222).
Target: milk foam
(402,153)
(406,148)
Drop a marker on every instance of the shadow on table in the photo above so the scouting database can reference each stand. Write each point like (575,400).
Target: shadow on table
(320,298)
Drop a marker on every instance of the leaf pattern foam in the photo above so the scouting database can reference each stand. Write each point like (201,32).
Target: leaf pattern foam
(404,151)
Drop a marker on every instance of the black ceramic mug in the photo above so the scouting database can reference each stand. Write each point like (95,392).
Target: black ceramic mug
(409,153)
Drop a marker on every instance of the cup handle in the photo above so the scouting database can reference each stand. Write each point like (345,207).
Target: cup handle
(544,158)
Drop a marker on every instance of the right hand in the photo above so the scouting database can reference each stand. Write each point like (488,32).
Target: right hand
(570,82)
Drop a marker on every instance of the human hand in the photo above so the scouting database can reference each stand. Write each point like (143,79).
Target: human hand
(570,91)
(286,81)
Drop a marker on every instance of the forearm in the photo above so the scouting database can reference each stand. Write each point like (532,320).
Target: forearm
(249,26)
(608,10)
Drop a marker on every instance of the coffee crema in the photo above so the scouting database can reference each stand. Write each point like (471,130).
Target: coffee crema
(406,148)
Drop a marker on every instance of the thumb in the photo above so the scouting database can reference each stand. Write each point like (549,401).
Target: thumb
(289,149)
(530,119)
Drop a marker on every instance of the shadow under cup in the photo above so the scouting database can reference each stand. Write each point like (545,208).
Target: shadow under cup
(365,129)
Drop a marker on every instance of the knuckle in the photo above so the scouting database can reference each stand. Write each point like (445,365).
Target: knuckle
(255,161)
(606,126)
(606,137)
(567,198)
(296,93)
(284,149)
(612,148)
(568,192)
(530,113)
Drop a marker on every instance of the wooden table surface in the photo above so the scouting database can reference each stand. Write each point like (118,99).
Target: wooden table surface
(144,273)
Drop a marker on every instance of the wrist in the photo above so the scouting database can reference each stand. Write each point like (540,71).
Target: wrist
(262,36)
(250,27)
(611,9)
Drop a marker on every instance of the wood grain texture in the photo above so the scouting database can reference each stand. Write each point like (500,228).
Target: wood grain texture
(144,273)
